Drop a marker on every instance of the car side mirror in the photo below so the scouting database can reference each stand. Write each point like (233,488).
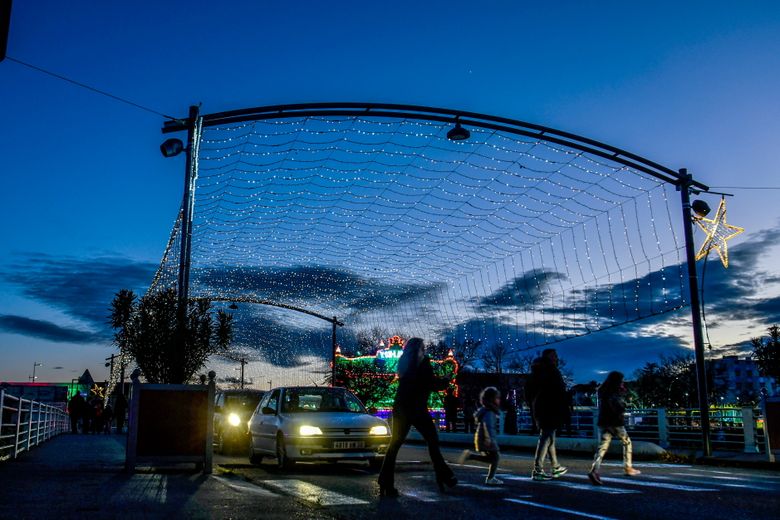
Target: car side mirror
(267,410)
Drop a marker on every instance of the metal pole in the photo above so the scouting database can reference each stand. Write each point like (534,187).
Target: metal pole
(693,286)
(333,353)
(5,26)
(243,362)
(186,236)
(186,221)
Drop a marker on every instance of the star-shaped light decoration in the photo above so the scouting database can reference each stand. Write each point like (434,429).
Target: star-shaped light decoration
(718,232)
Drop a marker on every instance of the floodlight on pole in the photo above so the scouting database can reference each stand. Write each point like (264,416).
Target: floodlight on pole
(172,147)
(700,207)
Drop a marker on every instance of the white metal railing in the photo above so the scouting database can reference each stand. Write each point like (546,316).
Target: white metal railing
(25,423)
(732,429)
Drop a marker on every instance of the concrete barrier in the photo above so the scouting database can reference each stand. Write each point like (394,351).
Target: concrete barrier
(641,449)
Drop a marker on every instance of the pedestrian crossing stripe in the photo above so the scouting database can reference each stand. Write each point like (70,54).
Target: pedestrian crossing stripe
(574,485)
(312,493)
(647,483)
(557,509)
(244,487)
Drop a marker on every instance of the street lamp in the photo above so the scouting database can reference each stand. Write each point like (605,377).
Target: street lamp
(33,377)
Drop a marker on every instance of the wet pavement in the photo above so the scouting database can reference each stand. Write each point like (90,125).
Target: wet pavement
(77,476)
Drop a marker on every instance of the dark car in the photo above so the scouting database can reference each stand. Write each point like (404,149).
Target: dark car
(232,411)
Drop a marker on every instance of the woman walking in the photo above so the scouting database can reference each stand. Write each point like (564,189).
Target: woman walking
(410,408)
(612,406)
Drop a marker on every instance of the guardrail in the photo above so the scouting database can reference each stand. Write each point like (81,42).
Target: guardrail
(25,423)
(733,429)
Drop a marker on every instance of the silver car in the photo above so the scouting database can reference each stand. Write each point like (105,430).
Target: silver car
(315,423)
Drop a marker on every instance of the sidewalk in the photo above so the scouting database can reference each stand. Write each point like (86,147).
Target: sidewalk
(81,476)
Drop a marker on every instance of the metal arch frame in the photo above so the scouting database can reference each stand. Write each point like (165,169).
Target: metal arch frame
(681,179)
(248,299)
(445,115)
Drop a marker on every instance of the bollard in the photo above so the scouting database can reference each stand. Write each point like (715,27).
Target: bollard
(749,430)
(663,428)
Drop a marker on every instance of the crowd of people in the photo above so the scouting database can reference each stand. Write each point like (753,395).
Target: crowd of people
(547,398)
(95,416)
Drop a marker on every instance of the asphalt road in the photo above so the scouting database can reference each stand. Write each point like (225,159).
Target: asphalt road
(663,491)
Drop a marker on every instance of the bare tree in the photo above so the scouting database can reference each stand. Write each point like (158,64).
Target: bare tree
(368,340)
(495,357)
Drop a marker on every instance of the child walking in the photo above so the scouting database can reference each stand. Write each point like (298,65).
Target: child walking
(485,439)
(612,406)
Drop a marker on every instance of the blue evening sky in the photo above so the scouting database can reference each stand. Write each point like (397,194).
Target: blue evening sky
(86,194)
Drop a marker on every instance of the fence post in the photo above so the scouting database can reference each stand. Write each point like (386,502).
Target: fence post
(18,425)
(749,430)
(29,424)
(209,454)
(663,428)
(2,405)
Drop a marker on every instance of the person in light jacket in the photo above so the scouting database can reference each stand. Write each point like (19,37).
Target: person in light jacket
(486,437)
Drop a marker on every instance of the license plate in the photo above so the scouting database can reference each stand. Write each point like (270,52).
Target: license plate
(346,445)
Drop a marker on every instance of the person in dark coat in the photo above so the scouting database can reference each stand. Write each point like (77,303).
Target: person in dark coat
(410,408)
(120,410)
(549,402)
(75,410)
(612,409)
(450,411)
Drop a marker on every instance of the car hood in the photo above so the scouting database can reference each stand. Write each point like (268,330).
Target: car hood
(333,419)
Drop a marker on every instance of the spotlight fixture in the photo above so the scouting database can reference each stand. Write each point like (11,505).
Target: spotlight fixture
(700,207)
(172,147)
(458,133)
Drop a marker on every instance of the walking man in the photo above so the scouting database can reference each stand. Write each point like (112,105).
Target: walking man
(549,401)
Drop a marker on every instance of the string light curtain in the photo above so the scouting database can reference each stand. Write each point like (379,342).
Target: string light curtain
(386,223)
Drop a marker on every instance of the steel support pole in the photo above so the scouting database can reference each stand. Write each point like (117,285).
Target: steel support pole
(333,352)
(186,233)
(187,200)
(5,26)
(698,336)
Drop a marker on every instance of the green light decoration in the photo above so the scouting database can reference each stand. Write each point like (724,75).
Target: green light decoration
(374,381)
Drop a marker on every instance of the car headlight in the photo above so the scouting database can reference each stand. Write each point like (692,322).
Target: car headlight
(378,430)
(309,430)
(234,419)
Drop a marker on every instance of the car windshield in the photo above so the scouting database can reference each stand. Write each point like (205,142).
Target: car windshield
(242,401)
(303,400)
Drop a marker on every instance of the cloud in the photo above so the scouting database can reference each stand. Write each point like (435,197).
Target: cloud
(524,291)
(46,330)
(81,287)
(309,286)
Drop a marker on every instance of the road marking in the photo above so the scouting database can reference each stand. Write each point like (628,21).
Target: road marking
(474,466)
(647,483)
(244,487)
(558,509)
(699,479)
(428,496)
(647,465)
(481,487)
(312,493)
(574,485)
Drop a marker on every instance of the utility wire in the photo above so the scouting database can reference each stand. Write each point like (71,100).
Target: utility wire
(88,87)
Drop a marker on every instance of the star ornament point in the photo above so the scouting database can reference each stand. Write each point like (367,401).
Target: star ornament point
(718,233)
